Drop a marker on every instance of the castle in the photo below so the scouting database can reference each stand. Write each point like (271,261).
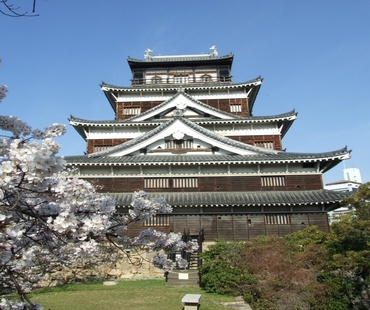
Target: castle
(183,130)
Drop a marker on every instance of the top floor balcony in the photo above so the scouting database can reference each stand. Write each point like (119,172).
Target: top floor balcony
(180,80)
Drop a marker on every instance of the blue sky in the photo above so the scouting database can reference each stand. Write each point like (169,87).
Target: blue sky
(314,57)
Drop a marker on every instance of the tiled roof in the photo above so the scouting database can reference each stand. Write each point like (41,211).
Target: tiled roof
(181,92)
(186,86)
(278,157)
(181,58)
(75,121)
(208,133)
(219,199)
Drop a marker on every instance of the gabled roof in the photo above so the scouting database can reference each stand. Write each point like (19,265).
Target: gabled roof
(254,86)
(182,100)
(327,160)
(288,116)
(242,199)
(285,120)
(184,127)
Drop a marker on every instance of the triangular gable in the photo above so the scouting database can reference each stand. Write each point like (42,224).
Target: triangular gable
(180,128)
(190,108)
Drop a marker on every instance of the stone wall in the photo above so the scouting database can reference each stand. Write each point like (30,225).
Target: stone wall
(130,266)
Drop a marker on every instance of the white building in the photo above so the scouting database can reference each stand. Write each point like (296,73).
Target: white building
(351,182)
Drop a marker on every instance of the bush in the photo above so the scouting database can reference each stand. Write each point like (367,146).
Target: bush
(222,270)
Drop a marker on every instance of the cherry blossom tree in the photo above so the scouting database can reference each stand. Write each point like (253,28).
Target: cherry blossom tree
(48,218)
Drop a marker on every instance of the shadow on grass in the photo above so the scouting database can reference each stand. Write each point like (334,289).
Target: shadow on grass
(131,294)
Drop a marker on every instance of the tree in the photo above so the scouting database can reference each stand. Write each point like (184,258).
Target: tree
(13,11)
(360,201)
(48,218)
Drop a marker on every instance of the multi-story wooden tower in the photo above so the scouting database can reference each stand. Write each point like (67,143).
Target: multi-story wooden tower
(184,130)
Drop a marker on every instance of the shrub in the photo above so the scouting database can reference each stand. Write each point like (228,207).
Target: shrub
(222,270)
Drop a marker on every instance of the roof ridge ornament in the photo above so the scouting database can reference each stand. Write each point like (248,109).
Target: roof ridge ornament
(181,106)
(148,53)
(149,56)
(179,112)
(178,135)
(214,51)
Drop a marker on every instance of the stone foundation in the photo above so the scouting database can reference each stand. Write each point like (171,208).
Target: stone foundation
(132,266)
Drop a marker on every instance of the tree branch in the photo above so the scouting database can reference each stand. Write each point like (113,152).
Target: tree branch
(11,10)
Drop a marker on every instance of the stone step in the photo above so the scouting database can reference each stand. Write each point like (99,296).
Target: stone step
(183,278)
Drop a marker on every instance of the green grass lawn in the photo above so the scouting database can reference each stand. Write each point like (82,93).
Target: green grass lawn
(133,295)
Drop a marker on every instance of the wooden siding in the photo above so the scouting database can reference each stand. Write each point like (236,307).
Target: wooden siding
(213,184)
(221,104)
(224,105)
(237,227)
(91,144)
(135,228)
(143,105)
(252,140)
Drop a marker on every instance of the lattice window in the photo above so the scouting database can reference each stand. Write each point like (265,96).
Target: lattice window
(265,144)
(156,80)
(206,78)
(169,144)
(277,219)
(156,183)
(98,148)
(273,181)
(235,108)
(187,144)
(158,220)
(179,79)
(172,144)
(131,111)
(185,182)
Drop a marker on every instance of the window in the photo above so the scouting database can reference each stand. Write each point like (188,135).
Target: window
(273,181)
(169,144)
(156,183)
(187,144)
(158,220)
(156,80)
(178,144)
(98,148)
(224,74)
(180,79)
(131,111)
(265,144)
(206,78)
(235,108)
(277,219)
(185,182)
(138,77)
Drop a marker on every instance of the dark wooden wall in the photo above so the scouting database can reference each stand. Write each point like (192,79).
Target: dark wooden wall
(144,105)
(237,227)
(103,142)
(275,139)
(212,184)
(224,105)
(221,104)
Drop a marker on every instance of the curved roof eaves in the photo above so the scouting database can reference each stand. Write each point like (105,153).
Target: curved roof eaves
(183,58)
(279,157)
(240,119)
(219,199)
(156,87)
